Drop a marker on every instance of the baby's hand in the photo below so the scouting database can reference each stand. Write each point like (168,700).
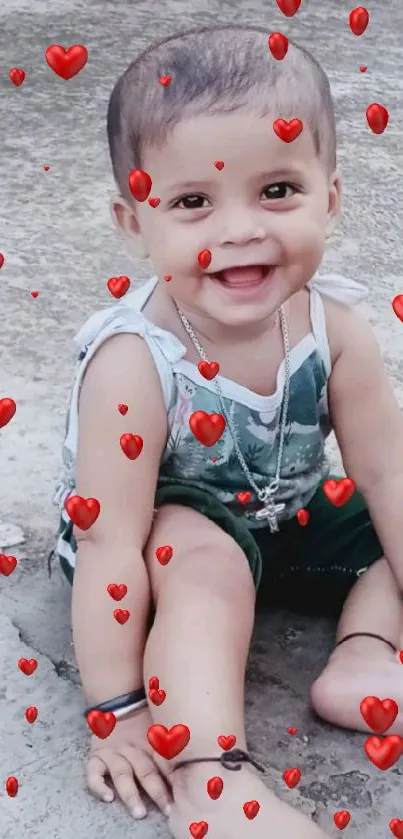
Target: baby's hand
(125,757)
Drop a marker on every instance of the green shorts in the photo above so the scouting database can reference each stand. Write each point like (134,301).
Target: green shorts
(303,568)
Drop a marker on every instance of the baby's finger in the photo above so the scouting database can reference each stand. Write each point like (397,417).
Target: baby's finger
(149,777)
(121,773)
(96,772)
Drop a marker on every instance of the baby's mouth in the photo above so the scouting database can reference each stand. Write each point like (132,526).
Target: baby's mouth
(241,277)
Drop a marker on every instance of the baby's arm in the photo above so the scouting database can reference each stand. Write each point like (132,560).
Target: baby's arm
(109,655)
(368,423)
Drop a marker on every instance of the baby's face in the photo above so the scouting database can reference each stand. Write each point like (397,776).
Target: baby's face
(270,208)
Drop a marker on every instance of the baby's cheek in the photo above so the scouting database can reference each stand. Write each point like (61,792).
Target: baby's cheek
(309,236)
(174,248)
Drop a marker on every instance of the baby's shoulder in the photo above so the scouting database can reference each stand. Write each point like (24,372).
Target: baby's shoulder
(110,335)
(342,323)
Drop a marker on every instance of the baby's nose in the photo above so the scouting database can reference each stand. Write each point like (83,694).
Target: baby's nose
(239,227)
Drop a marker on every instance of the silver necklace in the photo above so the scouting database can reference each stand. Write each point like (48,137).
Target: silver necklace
(270,510)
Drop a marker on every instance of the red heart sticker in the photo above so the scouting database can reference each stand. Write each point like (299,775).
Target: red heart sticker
(118,286)
(384,753)
(288,131)
(16,76)
(215,787)
(123,409)
(244,497)
(198,829)
(204,258)
(342,819)
(101,724)
(34,293)
(377,118)
(303,517)
(401,656)
(157,697)
(164,554)
(153,683)
(1,260)
(121,615)
(131,445)
(153,202)
(167,278)
(358,20)
(251,809)
(27,666)
(82,511)
(278,45)
(12,786)
(168,742)
(219,164)
(7,411)
(66,63)
(7,564)
(289,7)
(226,742)
(140,184)
(31,714)
(292,777)
(208,369)
(379,714)
(292,730)
(396,826)
(397,304)
(339,492)
(165,80)
(363,68)
(117,592)
(207,428)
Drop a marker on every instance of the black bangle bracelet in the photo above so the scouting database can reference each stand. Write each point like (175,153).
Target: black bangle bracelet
(118,702)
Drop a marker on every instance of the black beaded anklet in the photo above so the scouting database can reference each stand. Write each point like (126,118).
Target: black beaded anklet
(232,760)
(367,635)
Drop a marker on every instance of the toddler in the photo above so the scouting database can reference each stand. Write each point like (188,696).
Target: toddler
(198,421)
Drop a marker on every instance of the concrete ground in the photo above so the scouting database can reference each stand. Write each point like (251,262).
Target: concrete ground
(56,236)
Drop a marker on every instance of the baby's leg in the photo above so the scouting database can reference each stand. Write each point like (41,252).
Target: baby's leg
(198,648)
(364,666)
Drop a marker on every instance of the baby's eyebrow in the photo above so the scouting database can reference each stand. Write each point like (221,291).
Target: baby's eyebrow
(287,171)
(177,187)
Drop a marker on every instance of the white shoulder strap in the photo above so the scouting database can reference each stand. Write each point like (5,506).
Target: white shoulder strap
(339,288)
(133,300)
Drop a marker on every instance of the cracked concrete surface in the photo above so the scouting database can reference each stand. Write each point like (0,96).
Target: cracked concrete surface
(56,237)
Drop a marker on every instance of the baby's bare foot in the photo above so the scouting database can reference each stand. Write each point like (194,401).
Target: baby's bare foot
(225,816)
(353,672)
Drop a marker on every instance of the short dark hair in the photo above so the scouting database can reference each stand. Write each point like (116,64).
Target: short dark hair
(215,70)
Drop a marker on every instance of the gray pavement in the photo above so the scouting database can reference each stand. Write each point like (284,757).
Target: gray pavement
(57,237)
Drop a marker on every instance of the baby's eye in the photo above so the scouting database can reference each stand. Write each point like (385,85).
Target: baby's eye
(191,202)
(276,191)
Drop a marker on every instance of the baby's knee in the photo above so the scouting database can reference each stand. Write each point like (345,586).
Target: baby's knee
(203,556)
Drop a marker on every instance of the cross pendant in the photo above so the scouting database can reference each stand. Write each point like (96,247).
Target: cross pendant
(271,516)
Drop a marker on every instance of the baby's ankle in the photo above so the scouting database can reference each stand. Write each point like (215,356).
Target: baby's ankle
(190,780)
(185,775)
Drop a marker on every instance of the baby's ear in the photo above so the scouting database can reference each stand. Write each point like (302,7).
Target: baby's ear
(334,209)
(125,221)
